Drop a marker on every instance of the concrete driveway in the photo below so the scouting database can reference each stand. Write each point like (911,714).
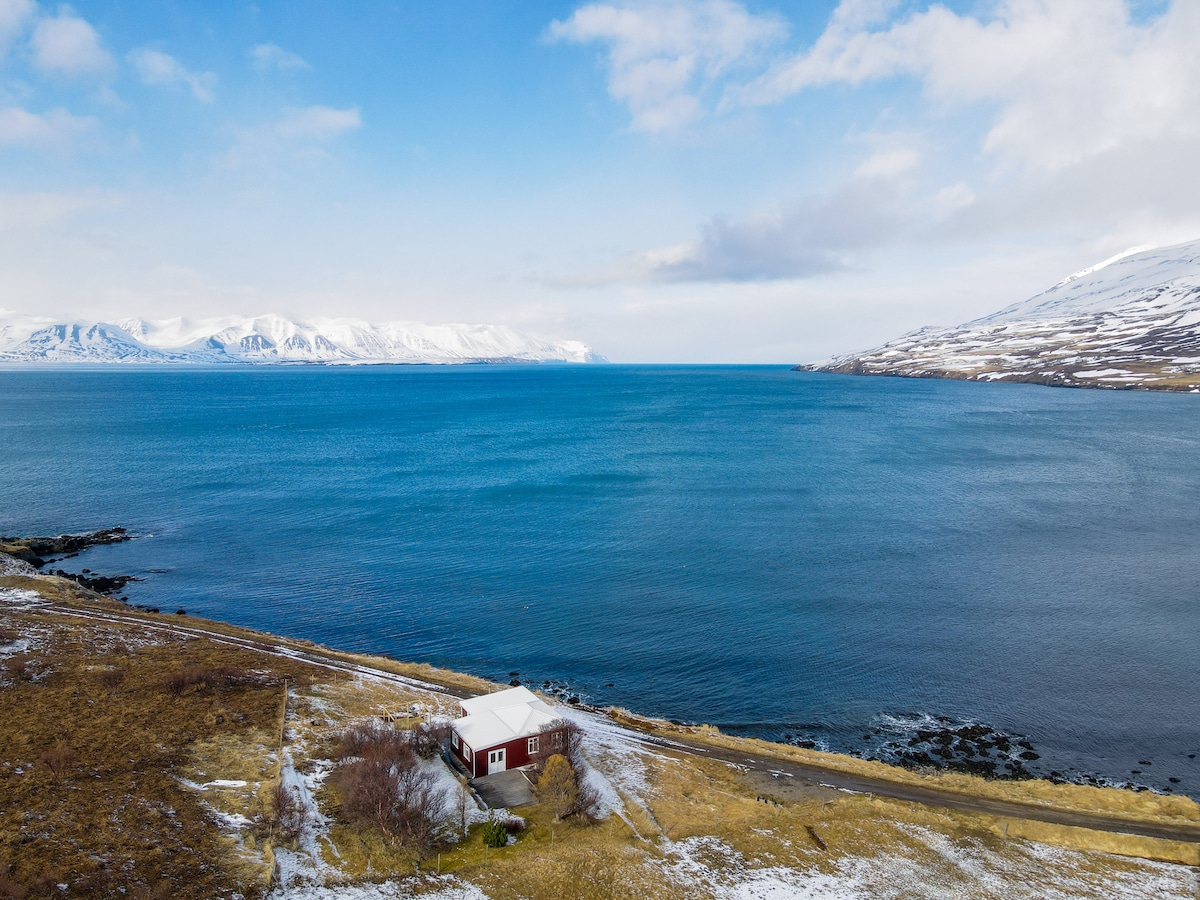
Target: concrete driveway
(505,789)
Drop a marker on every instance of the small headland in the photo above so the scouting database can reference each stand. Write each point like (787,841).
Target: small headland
(41,552)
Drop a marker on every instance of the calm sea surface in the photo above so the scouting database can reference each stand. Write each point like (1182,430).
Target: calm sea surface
(781,553)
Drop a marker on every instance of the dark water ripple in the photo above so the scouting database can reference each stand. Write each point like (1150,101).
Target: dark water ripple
(788,552)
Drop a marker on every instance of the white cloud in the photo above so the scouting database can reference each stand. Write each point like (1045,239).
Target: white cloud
(662,56)
(316,123)
(1068,78)
(68,45)
(890,163)
(297,133)
(161,69)
(13,16)
(272,56)
(57,127)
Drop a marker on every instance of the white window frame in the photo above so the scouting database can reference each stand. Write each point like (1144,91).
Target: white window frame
(466,752)
(454,739)
(534,744)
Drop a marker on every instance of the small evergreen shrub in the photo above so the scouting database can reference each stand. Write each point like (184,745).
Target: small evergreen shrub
(495,834)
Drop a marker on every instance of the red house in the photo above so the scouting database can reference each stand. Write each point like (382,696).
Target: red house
(501,731)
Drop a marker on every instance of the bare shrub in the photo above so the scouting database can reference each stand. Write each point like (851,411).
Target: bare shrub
(58,759)
(17,668)
(374,740)
(10,888)
(383,785)
(290,814)
(369,788)
(176,683)
(111,678)
(205,678)
(560,738)
(430,739)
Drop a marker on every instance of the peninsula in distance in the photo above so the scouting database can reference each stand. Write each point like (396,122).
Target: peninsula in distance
(1132,321)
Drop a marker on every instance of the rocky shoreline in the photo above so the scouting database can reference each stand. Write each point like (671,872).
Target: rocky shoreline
(36,553)
(924,744)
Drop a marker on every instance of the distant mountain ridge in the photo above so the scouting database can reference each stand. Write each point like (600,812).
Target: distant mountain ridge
(274,339)
(1132,321)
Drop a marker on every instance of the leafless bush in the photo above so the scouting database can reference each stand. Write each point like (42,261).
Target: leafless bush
(176,683)
(374,740)
(383,785)
(368,788)
(17,668)
(58,759)
(111,678)
(10,888)
(560,738)
(429,739)
(290,814)
(206,678)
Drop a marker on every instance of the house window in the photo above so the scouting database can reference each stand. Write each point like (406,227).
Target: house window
(454,739)
(534,742)
(557,739)
(466,753)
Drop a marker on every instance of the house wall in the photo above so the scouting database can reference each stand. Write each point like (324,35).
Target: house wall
(516,755)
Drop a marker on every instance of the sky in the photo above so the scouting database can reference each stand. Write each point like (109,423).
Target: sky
(667,180)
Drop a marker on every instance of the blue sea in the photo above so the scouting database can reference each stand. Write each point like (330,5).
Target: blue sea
(829,559)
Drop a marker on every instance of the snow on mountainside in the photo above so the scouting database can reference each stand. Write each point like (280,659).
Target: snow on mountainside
(1132,321)
(273,339)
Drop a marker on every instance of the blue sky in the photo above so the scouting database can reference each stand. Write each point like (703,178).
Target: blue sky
(669,180)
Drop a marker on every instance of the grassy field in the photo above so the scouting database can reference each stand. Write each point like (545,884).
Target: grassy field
(138,762)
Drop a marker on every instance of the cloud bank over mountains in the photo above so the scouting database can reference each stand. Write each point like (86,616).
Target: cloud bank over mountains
(609,169)
(1063,99)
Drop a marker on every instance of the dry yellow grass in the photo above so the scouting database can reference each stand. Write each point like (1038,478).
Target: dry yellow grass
(1150,807)
(693,827)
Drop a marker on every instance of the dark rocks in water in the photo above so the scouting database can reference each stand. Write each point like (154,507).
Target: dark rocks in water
(101,584)
(513,674)
(1145,762)
(516,682)
(574,700)
(972,748)
(1173,780)
(34,550)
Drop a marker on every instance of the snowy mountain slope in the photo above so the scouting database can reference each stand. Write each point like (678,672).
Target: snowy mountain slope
(1132,321)
(273,339)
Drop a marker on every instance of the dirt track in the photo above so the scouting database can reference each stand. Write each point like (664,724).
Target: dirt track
(769,765)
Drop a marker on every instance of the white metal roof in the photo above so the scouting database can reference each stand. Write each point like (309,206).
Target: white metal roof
(503,716)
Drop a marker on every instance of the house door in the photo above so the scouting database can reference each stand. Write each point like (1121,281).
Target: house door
(496,761)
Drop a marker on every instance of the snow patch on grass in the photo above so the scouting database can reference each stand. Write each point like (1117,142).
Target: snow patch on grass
(432,887)
(19,598)
(958,868)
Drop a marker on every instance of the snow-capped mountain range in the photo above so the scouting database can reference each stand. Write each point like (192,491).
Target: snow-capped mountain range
(1132,321)
(273,339)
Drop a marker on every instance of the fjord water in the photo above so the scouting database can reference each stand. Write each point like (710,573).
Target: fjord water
(769,550)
